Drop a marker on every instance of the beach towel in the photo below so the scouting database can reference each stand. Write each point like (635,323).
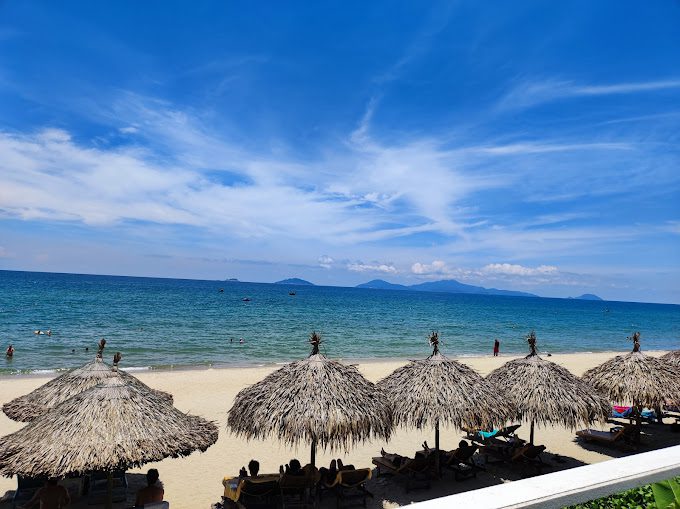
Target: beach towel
(648,414)
(487,434)
(622,411)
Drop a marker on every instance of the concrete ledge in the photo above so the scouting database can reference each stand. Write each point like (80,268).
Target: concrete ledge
(573,486)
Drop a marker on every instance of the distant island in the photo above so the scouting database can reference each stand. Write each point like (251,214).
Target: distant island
(294,281)
(587,296)
(379,284)
(444,286)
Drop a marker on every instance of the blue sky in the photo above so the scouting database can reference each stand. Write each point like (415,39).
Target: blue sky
(521,145)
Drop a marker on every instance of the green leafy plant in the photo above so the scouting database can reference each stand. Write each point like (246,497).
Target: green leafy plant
(667,494)
(661,495)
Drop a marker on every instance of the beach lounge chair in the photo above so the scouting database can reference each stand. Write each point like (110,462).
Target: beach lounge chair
(98,485)
(615,436)
(350,485)
(461,461)
(259,494)
(416,472)
(530,454)
(297,490)
(527,453)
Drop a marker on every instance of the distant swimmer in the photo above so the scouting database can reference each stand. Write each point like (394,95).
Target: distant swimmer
(221,290)
(73,350)
(49,332)
(10,351)
(231,340)
(241,341)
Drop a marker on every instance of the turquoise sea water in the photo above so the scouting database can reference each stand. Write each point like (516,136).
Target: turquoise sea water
(175,322)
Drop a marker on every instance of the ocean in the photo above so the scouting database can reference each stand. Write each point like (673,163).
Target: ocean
(180,323)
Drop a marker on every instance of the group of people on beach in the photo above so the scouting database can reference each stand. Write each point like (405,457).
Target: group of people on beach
(55,496)
(295,468)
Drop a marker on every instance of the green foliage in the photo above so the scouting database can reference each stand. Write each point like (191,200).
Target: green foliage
(667,494)
(646,497)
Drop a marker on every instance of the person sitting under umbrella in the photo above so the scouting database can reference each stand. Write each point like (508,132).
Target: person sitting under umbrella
(50,496)
(152,492)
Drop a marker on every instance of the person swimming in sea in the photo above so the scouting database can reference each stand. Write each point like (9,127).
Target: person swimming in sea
(241,341)
(10,351)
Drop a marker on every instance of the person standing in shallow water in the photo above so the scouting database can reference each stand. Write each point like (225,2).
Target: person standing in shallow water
(10,351)
(496,347)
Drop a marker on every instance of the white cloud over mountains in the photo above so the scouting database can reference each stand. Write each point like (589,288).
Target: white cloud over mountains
(518,270)
(384,268)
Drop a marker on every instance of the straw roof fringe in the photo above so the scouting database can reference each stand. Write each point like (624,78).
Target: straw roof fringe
(112,426)
(673,357)
(547,393)
(30,406)
(636,378)
(315,399)
(440,390)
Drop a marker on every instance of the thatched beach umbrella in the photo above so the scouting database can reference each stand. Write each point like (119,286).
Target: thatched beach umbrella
(316,401)
(547,393)
(30,406)
(636,378)
(112,426)
(438,390)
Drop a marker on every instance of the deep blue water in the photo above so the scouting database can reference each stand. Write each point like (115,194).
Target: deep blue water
(163,322)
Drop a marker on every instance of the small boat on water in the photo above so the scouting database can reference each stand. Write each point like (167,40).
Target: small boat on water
(291,292)
(246,299)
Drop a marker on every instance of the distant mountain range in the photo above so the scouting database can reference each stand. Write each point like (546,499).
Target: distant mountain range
(294,281)
(444,286)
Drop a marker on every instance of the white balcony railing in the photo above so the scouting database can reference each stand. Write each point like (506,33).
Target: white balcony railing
(567,487)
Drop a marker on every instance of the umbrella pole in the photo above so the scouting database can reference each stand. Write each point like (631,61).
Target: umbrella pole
(436,447)
(313,458)
(109,490)
(531,433)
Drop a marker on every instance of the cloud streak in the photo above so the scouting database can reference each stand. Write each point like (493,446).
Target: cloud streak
(532,93)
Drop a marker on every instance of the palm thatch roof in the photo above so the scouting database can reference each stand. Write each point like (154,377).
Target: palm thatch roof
(440,390)
(30,406)
(673,357)
(315,400)
(548,394)
(114,425)
(636,378)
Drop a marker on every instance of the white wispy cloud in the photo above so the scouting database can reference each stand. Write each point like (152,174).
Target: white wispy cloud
(436,268)
(531,93)
(384,268)
(518,270)
(326,261)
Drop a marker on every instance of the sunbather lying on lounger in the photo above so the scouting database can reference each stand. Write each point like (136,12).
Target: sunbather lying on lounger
(395,459)
(329,474)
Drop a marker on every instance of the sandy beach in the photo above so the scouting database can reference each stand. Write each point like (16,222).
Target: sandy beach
(195,481)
